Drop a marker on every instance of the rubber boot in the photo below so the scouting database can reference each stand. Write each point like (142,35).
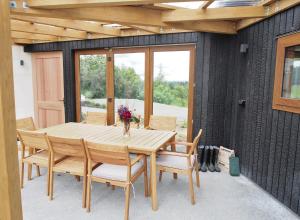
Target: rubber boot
(200,155)
(211,166)
(205,156)
(216,159)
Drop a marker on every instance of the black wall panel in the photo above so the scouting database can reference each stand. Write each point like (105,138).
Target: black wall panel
(267,141)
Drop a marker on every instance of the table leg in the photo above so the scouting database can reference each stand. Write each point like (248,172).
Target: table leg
(173,148)
(153,182)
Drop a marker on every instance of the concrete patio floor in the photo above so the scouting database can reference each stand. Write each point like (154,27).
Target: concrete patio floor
(220,197)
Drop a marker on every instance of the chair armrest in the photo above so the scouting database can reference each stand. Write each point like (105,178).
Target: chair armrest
(137,159)
(172,153)
(182,143)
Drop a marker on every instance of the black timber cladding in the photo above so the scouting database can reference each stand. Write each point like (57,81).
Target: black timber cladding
(267,141)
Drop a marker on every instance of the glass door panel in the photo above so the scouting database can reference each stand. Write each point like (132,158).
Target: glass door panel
(92,68)
(171,70)
(129,77)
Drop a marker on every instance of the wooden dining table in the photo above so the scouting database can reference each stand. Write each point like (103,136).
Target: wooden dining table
(141,141)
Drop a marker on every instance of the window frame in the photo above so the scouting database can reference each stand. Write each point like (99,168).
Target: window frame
(279,102)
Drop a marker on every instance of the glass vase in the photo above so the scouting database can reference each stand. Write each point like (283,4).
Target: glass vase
(126,129)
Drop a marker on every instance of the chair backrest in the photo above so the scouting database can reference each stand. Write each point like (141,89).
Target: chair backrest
(166,123)
(195,142)
(33,139)
(67,146)
(97,118)
(106,153)
(26,124)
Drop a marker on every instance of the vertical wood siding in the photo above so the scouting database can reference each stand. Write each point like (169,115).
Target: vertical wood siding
(267,141)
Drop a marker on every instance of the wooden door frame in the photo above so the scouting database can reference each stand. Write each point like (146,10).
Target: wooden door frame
(109,90)
(148,84)
(35,82)
(147,81)
(192,49)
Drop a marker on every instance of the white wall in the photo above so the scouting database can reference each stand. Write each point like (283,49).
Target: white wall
(23,83)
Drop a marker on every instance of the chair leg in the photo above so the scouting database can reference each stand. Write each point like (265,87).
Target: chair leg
(113,187)
(145,178)
(38,171)
(173,148)
(88,196)
(77,178)
(197,175)
(84,192)
(29,175)
(191,187)
(127,199)
(22,175)
(48,182)
(51,185)
(160,175)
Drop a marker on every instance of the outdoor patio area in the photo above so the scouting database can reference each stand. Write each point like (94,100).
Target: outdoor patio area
(219,197)
(149,109)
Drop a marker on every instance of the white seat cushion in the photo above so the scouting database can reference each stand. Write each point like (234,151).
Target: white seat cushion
(115,172)
(174,161)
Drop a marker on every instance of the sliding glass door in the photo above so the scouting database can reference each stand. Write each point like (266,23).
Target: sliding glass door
(91,83)
(129,80)
(172,80)
(152,80)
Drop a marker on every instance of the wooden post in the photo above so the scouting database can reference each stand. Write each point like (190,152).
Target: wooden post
(10,196)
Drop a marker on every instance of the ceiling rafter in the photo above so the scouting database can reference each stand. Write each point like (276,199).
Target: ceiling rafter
(55,4)
(227,13)
(270,10)
(29,27)
(207,4)
(90,27)
(126,15)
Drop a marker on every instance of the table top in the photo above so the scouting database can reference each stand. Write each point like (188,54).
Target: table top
(140,140)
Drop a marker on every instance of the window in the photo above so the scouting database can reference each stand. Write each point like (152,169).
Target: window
(286,95)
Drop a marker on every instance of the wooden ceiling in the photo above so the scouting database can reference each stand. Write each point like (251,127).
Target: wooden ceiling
(36,21)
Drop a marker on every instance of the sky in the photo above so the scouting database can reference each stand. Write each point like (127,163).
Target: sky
(174,64)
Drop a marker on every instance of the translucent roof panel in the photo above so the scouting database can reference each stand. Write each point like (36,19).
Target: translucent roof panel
(215,4)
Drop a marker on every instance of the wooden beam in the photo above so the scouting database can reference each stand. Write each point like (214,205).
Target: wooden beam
(227,13)
(224,27)
(266,2)
(54,4)
(121,15)
(91,27)
(46,29)
(153,30)
(270,10)
(10,195)
(207,4)
(30,36)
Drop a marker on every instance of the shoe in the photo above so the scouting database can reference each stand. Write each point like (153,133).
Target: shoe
(216,159)
(205,156)
(211,166)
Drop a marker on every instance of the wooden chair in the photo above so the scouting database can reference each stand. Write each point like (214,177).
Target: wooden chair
(41,158)
(75,162)
(96,118)
(164,123)
(27,124)
(117,168)
(181,163)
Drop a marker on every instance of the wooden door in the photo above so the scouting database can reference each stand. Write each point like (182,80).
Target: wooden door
(48,88)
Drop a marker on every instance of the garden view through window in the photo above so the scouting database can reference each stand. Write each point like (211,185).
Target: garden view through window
(291,78)
(171,87)
(129,75)
(170,73)
(92,83)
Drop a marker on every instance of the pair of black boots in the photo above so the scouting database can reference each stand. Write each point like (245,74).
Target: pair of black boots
(208,157)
